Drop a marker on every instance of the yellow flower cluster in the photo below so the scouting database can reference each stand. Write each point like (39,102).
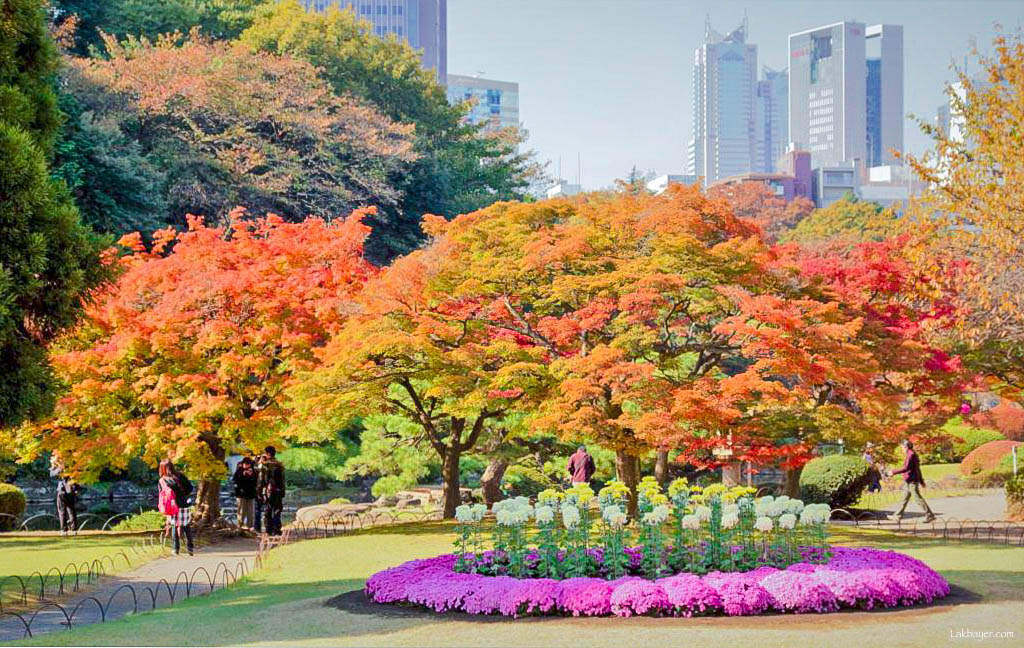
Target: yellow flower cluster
(549,496)
(678,486)
(614,490)
(650,490)
(581,492)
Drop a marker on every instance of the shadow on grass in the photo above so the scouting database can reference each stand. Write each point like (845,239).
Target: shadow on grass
(409,528)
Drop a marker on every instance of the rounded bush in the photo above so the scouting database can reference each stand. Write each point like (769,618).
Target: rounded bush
(12,502)
(985,459)
(145,521)
(966,438)
(837,480)
(1015,497)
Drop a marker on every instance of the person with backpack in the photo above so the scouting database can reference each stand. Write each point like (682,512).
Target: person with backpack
(245,479)
(67,498)
(175,501)
(271,489)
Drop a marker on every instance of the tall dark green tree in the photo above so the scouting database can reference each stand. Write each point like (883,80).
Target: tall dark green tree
(48,259)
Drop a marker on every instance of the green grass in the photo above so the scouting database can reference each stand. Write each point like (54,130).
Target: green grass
(21,556)
(282,604)
(935,472)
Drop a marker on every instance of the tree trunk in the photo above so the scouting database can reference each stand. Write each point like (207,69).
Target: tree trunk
(450,478)
(791,485)
(627,469)
(661,468)
(207,508)
(490,481)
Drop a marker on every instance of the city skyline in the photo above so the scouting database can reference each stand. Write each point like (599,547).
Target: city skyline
(584,82)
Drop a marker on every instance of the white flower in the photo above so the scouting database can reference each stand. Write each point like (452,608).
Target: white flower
(703,513)
(815,514)
(794,506)
(544,514)
(731,509)
(691,522)
(729,520)
(762,504)
(570,516)
(464,513)
(782,498)
(610,511)
(657,516)
(479,511)
(787,521)
(763,524)
(617,521)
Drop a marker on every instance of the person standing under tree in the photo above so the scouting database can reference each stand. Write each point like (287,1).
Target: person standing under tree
(245,479)
(176,503)
(913,482)
(67,497)
(581,466)
(271,489)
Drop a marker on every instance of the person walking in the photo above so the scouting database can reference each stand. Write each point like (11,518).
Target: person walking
(581,466)
(245,480)
(874,474)
(913,481)
(271,487)
(175,502)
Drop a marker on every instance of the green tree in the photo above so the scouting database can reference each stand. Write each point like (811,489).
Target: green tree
(459,168)
(220,19)
(849,220)
(48,260)
(116,187)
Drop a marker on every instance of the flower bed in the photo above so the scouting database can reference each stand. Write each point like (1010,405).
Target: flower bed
(851,578)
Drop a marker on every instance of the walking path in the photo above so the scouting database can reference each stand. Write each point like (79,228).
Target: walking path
(989,506)
(156,584)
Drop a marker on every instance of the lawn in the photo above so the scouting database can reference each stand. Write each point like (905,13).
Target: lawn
(283,604)
(21,556)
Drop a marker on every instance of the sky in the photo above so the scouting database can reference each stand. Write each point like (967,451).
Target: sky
(609,82)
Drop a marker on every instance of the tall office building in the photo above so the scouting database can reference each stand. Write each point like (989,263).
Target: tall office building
(423,24)
(772,125)
(494,103)
(724,85)
(843,104)
(884,90)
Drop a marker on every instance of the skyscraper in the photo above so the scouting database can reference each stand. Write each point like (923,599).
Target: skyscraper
(495,103)
(772,119)
(724,85)
(844,105)
(423,24)
(884,93)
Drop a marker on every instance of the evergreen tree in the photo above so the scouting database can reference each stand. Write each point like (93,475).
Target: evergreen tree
(48,260)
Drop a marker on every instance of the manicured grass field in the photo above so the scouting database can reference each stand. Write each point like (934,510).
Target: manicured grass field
(283,604)
(935,472)
(21,556)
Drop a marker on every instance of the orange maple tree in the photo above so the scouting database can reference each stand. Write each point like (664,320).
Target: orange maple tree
(188,353)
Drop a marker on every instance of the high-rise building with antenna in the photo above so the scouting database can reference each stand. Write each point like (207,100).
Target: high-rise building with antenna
(724,105)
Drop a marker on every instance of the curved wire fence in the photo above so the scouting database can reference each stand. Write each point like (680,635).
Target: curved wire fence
(951,528)
(89,609)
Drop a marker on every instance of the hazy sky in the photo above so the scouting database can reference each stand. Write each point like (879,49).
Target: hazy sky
(611,79)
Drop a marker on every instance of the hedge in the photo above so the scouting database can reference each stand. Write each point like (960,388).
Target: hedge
(145,521)
(1015,497)
(837,480)
(992,458)
(12,502)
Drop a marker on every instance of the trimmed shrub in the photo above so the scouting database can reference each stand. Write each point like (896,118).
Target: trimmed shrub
(990,459)
(12,502)
(958,439)
(837,480)
(1008,418)
(145,521)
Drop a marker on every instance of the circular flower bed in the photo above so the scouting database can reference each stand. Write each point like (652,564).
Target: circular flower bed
(852,578)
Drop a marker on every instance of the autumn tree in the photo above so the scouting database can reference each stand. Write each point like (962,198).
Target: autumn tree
(848,221)
(229,126)
(971,215)
(188,354)
(459,167)
(415,351)
(756,202)
(48,260)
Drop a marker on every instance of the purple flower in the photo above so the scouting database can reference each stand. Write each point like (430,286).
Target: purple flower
(639,597)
